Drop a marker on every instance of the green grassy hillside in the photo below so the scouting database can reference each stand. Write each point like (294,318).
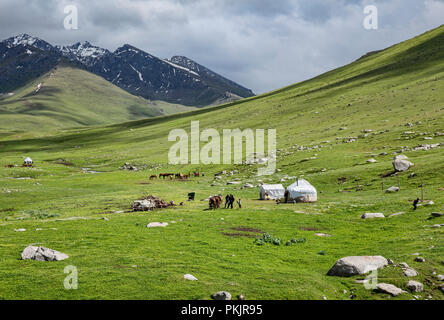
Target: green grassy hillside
(71,97)
(383,105)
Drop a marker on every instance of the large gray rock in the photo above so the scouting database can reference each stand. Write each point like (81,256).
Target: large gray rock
(357,265)
(221,295)
(389,288)
(401,165)
(415,286)
(42,254)
(372,215)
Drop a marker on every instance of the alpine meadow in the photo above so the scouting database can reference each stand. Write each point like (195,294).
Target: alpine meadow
(101,192)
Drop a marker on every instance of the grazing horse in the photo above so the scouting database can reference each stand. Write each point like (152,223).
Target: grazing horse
(196,174)
(215,202)
(179,176)
(165,175)
(153,177)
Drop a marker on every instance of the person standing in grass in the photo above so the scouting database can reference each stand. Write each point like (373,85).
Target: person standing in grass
(231,201)
(227,201)
(239,203)
(415,204)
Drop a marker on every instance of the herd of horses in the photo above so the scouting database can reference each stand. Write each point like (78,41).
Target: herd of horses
(179,176)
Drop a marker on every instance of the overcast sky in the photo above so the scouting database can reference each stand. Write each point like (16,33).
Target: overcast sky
(261,44)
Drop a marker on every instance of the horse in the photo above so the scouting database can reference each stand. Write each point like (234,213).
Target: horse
(215,202)
(153,177)
(179,176)
(165,175)
(196,174)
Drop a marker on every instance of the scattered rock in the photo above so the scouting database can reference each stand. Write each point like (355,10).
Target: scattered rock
(419,259)
(415,286)
(241,297)
(157,224)
(190,277)
(404,265)
(42,254)
(437,214)
(221,295)
(396,214)
(323,235)
(20,230)
(392,190)
(410,272)
(371,160)
(389,288)
(440,277)
(390,262)
(248,185)
(401,165)
(372,215)
(105,218)
(357,265)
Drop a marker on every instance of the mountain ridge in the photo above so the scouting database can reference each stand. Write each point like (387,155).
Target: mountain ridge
(133,70)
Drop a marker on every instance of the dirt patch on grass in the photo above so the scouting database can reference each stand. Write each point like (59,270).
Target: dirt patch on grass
(309,229)
(243,232)
(247,229)
(247,235)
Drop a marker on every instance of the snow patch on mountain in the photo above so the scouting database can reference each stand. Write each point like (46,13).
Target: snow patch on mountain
(138,72)
(180,67)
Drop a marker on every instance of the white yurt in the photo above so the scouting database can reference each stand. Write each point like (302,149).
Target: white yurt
(275,191)
(301,191)
(27,161)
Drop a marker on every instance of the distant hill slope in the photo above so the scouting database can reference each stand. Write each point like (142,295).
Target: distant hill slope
(385,91)
(74,97)
(24,57)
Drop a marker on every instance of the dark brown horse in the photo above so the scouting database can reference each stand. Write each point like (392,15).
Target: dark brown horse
(153,177)
(215,202)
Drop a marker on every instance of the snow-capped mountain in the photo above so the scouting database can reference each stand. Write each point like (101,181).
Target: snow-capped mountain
(176,80)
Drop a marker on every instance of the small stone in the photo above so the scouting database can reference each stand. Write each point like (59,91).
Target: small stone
(190,277)
(372,215)
(410,272)
(19,230)
(241,297)
(419,259)
(157,224)
(221,295)
(415,286)
(389,288)
(105,218)
(390,262)
(392,190)
(404,265)
(437,214)
(440,277)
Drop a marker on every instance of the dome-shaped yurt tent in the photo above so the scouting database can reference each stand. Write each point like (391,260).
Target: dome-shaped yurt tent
(301,191)
(274,191)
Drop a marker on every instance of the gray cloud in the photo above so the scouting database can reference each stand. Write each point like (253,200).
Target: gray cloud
(261,44)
